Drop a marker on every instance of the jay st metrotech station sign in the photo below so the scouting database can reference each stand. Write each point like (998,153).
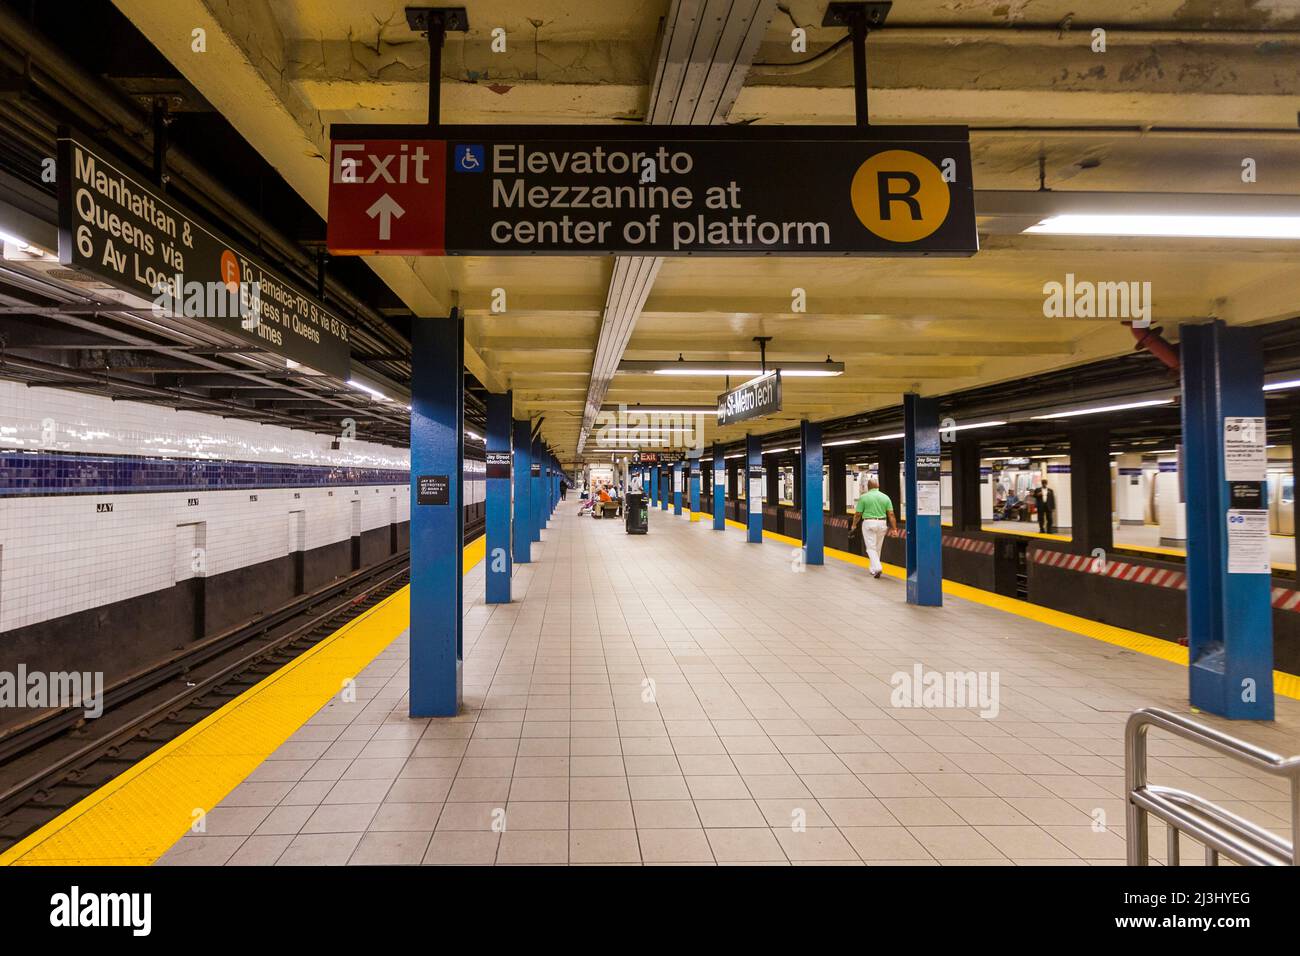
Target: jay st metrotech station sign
(645,190)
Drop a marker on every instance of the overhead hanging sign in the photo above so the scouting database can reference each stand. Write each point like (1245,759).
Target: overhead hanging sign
(645,190)
(755,398)
(119,229)
(657,457)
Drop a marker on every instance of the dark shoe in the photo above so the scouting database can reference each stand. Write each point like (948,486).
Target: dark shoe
(875,574)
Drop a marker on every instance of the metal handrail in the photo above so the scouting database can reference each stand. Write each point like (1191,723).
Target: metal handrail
(1221,831)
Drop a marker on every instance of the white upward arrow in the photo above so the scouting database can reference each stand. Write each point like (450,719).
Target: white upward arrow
(386,208)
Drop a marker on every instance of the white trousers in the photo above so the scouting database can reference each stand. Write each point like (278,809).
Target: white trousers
(873,536)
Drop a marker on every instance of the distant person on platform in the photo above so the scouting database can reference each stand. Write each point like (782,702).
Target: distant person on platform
(875,512)
(1046,509)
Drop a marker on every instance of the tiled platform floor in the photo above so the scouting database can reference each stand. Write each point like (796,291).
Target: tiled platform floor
(684,697)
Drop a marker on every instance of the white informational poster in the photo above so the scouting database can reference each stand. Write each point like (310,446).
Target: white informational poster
(1248,541)
(927,498)
(756,489)
(677,482)
(1245,455)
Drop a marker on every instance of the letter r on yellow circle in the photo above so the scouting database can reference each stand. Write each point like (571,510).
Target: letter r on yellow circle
(900,195)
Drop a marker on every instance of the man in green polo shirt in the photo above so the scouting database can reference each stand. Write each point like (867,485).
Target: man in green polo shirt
(874,511)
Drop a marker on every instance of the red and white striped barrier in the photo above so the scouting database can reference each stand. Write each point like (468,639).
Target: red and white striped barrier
(968,544)
(1285,599)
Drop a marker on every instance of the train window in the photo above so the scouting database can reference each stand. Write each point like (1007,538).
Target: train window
(1288,489)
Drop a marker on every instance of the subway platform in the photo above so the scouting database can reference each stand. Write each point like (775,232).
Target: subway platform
(687,698)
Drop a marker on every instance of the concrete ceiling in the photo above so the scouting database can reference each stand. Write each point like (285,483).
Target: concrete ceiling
(1187,89)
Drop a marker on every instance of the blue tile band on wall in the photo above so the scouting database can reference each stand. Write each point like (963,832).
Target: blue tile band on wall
(30,474)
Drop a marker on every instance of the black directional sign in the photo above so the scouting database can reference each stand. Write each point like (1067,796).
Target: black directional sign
(755,398)
(927,467)
(637,190)
(657,457)
(498,464)
(433,490)
(118,228)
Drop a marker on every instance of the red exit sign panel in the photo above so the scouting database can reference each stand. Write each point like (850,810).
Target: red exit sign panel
(387,197)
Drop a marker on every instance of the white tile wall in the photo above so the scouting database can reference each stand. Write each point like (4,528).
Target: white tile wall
(67,553)
(56,420)
(61,554)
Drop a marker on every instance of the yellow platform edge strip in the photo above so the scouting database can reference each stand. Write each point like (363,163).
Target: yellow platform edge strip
(1284,684)
(136,817)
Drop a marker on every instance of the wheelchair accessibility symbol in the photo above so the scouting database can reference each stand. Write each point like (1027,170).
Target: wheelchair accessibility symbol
(469,159)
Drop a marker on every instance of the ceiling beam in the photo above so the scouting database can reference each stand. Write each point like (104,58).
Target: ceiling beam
(704,55)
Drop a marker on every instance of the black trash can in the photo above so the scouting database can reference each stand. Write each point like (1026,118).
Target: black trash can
(636,515)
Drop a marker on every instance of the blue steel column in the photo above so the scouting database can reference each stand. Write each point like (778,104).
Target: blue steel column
(497,587)
(677,493)
(719,489)
(437,530)
(521,470)
(812,521)
(924,532)
(538,465)
(1229,614)
(695,489)
(753,509)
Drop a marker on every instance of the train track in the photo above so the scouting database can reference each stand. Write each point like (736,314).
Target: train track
(50,765)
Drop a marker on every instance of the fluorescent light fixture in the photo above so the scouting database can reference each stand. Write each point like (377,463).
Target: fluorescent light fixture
(662,409)
(368,389)
(746,369)
(473,434)
(774,451)
(1162,451)
(842,441)
(1097,409)
(886,437)
(786,372)
(737,455)
(22,244)
(960,428)
(1277,386)
(1175,226)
